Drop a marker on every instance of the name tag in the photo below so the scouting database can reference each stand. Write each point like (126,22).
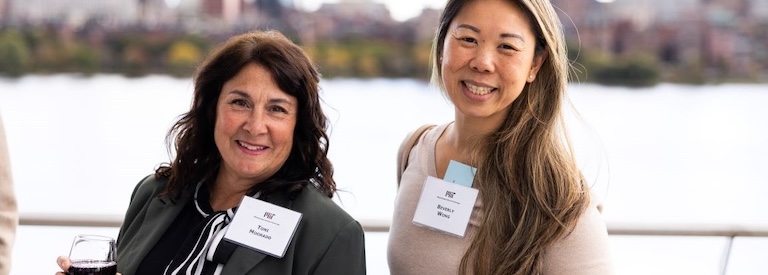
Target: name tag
(445,206)
(263,226)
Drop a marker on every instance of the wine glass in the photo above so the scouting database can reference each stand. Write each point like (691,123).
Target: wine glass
(92,255)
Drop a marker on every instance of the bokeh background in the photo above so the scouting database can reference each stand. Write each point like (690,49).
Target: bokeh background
(667,112)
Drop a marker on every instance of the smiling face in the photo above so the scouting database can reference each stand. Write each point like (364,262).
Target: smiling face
(254,125)
(488,57)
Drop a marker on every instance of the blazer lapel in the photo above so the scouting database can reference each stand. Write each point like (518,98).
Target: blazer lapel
(244,259)
(161,212)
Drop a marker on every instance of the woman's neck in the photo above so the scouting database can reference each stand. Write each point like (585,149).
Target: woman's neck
(466,131)
(459,142)
(227,192)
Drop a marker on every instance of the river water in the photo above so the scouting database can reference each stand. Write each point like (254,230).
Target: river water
(678,154)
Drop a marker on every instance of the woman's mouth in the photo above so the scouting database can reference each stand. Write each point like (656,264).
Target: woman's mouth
(478,90)
(250,147)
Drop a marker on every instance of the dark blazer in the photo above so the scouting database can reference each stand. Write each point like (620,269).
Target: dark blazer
(327,241)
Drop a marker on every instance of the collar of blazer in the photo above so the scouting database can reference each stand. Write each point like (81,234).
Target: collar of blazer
(243,259)
(161,212)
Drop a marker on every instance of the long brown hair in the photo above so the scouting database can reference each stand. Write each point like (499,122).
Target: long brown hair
(197,157)
(532,190)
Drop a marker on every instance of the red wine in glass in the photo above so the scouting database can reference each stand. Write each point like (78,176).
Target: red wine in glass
(89,267)
(92,255)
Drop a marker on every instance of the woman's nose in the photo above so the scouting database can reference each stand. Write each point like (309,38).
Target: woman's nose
(256,123)
(482,61)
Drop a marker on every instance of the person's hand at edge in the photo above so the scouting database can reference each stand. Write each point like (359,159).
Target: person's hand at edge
(64,263)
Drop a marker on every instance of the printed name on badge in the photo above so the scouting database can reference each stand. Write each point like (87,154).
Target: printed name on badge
(445,206)
(263,226)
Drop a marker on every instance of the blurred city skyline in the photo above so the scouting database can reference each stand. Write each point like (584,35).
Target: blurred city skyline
(641,10)
(694,41)
(399,10)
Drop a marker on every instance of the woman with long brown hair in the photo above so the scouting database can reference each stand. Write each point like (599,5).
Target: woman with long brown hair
(503,65)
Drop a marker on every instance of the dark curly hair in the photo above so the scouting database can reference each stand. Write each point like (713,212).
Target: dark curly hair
(197,157)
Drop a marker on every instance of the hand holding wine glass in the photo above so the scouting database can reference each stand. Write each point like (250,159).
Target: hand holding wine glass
(90,255)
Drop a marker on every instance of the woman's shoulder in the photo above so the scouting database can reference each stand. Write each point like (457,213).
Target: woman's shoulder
(585,250)
(148,187)
(430,137)
(318,209)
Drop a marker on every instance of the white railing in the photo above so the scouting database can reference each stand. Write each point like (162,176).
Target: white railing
(378,225)
(730,231)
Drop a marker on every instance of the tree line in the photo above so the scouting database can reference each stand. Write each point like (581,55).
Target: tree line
(136,53)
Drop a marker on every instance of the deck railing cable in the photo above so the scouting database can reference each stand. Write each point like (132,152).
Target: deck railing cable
(730,231)
(376,225)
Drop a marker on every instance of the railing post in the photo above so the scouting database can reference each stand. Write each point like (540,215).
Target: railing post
(727,254)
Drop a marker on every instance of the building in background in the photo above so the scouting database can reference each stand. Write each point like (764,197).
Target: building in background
(718,37)
(721,37)
(112,13)
(5,10)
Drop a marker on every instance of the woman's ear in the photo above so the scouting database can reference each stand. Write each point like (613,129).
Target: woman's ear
(538,60)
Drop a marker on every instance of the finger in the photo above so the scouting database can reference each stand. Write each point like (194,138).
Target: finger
(63,262)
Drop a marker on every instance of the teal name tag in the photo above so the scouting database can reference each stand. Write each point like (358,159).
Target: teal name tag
(460,173)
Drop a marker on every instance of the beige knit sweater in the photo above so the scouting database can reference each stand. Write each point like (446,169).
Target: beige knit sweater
(418,250)
(8,215)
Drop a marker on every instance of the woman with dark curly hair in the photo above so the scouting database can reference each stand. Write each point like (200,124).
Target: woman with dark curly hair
(249,190)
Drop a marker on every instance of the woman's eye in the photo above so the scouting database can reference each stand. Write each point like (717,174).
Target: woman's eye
(507,47)
(239,102)
(278,109)
(467,39)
